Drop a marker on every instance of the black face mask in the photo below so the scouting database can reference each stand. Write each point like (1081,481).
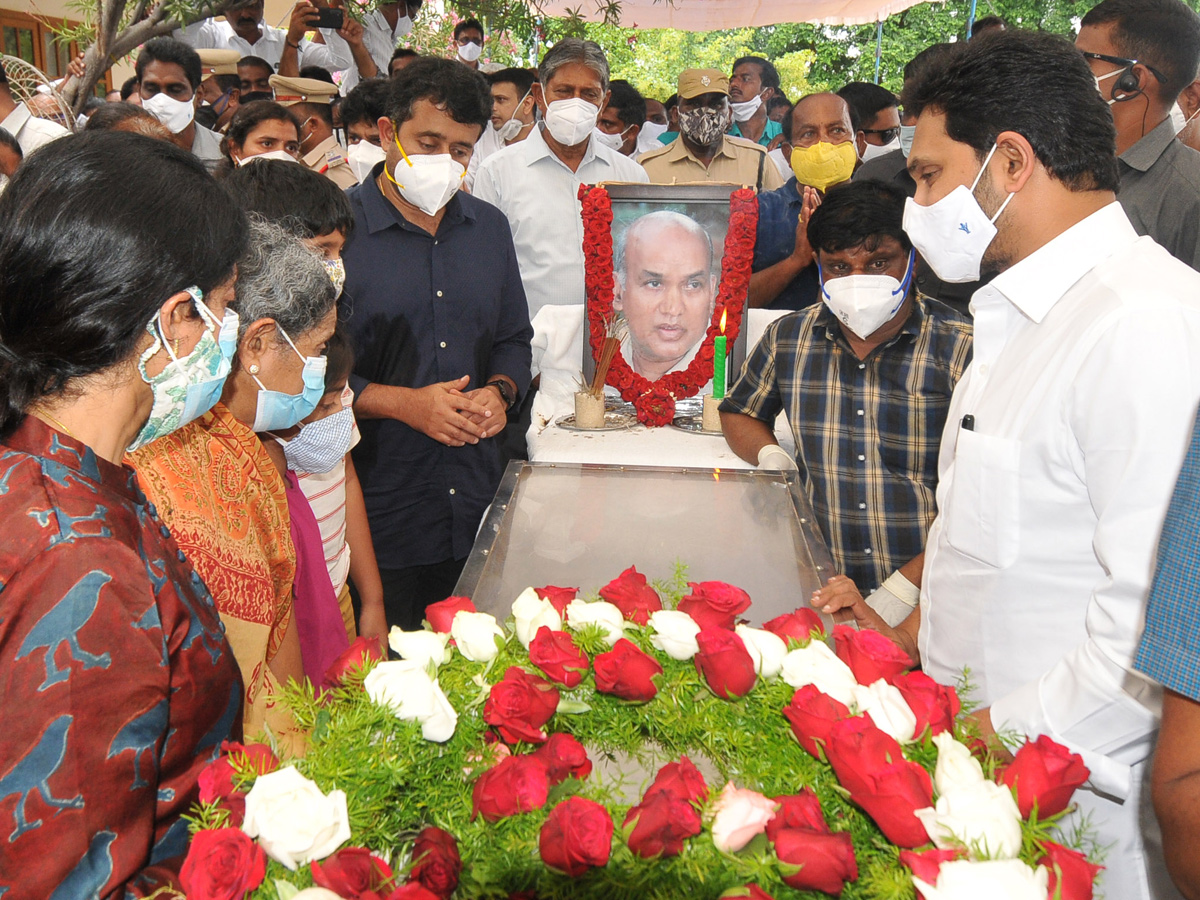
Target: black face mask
(251,96)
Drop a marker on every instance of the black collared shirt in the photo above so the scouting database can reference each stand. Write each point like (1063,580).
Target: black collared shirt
(423,309)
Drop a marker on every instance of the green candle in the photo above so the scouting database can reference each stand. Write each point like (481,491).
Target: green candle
(718,367)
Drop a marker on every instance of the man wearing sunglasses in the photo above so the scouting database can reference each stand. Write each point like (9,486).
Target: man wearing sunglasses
(875,115)
(1143,53)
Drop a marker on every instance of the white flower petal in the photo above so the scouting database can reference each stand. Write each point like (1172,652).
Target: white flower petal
(766,649)
(674,633)
(817,665)
(423,647)
(475,635)
(983,817)
(580,613)
(956,767)
(293,820)
(887,708)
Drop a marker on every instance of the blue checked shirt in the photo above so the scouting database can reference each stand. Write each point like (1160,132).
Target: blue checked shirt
(1170,647)
(778,216)
(867,431)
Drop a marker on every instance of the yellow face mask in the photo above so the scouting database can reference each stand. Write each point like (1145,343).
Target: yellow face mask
(823,165)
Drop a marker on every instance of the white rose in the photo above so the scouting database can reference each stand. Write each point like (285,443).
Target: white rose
(766,649)
(816,664)
(313,893)
(999,879)
(983,817)
(475,635)
(405,687)
(422,647)
(956,767)
(674,633)
(531,612)
(602,613)
(293,821)
(887,708)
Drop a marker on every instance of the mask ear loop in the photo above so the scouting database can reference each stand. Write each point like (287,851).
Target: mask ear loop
(974,184)
(391,178)
(154,327)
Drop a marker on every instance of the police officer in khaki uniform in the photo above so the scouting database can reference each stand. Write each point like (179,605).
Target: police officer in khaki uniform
(219,90)
(309,99)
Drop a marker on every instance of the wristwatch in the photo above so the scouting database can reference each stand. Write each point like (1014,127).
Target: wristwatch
(506,392)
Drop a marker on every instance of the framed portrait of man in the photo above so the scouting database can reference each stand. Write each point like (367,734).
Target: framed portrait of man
(668,244)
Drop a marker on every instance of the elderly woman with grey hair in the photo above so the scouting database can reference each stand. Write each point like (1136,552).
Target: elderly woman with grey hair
(222,491)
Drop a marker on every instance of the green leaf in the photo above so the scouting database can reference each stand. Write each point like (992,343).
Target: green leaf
(568,706)
(285,890)
(322,723)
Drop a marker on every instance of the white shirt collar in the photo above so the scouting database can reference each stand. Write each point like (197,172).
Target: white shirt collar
(537,148)
(16,119)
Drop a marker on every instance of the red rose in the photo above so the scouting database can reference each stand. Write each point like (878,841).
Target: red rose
(682,779)
(869,654)
(894,793)
(796,626)
(936,706)
(1071,875)
(627,672)
(660,824)
(412,891)
(714,604)
(440,615)
(222,864)
(1045,774)
(516,784)
(576,836)
(436,863)
(564,757)
(216,779)
(630,593)
(826,860)
(801,810)
(559,597)
(519,705)
(927,864)
(856,749)
(724,662)
(555,653)
(353,659)
(352,872)
(812,713)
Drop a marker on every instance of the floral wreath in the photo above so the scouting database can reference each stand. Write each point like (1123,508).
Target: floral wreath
(655,400)
(464,769)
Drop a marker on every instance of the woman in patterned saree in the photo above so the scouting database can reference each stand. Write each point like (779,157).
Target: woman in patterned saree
(118,686)
(221,490)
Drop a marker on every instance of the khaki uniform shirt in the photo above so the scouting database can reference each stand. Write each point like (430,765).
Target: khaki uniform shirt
(329,159)
(737,162)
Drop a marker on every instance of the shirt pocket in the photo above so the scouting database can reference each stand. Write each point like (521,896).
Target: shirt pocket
(983,505)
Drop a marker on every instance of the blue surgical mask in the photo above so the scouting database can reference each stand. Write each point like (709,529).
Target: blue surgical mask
(277,411)
(322,444)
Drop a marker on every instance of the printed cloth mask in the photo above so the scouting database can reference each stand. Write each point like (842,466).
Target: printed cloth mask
(907,133)
(953,234)
(336,270)
(427,181)
(874,151)
(277,411)
(175,114)
(362,158)
(744,111)
(274,154)
(513,126)
(648,137)
(704,126)
(823,164)
(570,122)
(188,386)
(320,445)
(864,303)
(611,141)
(470,51)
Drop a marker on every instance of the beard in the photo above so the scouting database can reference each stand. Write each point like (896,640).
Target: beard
(999,254)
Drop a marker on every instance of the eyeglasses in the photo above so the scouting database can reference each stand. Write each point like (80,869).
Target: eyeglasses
(1126,63)
(887,134)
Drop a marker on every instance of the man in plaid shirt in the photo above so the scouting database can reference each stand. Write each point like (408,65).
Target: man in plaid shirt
(865,378)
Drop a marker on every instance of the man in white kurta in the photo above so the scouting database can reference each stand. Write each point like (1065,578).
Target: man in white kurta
(1064,437)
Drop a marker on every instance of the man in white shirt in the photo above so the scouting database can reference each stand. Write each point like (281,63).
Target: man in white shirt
(168,75)
(512,116)
(1065,434)
(383,28)
(244,30)
(536,182)
(15,118)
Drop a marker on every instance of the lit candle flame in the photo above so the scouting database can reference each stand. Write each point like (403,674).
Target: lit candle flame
(724,315)
(716,474)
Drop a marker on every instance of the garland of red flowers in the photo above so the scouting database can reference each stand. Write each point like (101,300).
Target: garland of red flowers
(655,400)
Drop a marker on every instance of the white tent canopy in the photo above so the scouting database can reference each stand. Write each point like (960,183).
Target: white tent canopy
(712,15)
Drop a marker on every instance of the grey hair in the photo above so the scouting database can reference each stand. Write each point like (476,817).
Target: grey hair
(660,218)
(281,278)
(574,50)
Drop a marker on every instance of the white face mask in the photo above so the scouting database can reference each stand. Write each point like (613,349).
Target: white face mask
(427,181)
(907,133)
(281,155)
(648,137)
(611,141)
(570,122)
(865,303)
(362,158)
(744,112)
(874,151)
(403,25)
(175,114)
(513,126)
(470,51)
(953,234)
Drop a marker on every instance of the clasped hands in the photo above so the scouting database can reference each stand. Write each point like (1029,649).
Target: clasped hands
(452,416)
